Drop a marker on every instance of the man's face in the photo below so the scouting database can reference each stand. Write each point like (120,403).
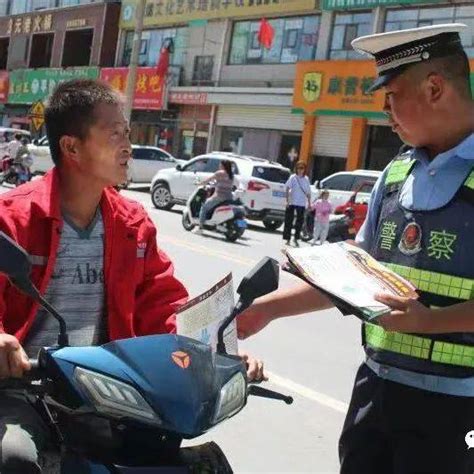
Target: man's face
(407,110)
(105,152)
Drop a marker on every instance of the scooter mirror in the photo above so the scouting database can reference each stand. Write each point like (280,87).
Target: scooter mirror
(261,280)
(15,263)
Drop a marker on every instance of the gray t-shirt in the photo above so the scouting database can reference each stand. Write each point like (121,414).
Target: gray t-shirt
(76,289)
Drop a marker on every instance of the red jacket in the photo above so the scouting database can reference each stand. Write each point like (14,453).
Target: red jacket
(141,293)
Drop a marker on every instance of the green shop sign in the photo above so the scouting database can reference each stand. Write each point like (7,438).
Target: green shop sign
(31,85)
(354,4)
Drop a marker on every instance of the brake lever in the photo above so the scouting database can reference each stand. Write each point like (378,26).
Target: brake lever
(266,393)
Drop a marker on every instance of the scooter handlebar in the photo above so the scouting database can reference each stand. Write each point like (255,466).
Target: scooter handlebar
(35,373)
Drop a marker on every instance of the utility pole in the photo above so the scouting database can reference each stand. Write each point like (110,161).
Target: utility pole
(132,68)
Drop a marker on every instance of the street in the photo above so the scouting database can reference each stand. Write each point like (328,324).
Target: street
(311,357)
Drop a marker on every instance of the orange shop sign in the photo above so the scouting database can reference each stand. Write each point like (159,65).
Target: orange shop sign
(336,88)
(149,87)
(3,86)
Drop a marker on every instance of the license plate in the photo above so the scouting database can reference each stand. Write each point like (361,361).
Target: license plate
(241,223)
(279,194)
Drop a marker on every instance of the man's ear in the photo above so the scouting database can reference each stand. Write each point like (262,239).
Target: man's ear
(435,87)
(69,147)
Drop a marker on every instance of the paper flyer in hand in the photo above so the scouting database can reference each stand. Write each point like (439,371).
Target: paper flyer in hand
(200,317)
(351,275)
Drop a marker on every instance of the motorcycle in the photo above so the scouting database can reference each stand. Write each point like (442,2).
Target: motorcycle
(16,172)
(227,218)
(125,406)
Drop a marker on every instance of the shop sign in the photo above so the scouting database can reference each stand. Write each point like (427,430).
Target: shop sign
(188,98)
(3,86)
(149,88)
(354,4)
(30,24)
(336,86)
(163,12)
(32,85)
(37,115)
(77,23)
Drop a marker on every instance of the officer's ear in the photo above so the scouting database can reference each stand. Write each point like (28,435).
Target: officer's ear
(69,146)
(434,88)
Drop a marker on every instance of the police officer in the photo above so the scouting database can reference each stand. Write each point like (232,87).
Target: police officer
(412,405)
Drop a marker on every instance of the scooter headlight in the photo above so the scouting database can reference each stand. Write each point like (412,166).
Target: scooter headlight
(114,398)
(231,398)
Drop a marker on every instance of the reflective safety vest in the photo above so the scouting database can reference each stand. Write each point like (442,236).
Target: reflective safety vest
(434,250)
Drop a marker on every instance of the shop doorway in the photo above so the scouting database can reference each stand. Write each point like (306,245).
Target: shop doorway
(382,146)
(192,144)
(289,150)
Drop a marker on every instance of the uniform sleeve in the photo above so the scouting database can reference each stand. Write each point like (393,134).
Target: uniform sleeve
(366,233)
(160,294)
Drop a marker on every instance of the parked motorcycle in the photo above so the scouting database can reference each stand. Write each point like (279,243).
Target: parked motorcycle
(227,218)
(15,172)
(126,406)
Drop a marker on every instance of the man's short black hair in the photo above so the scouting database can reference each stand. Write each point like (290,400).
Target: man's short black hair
(71,110)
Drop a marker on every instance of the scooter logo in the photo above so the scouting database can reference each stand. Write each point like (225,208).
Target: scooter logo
(181,359)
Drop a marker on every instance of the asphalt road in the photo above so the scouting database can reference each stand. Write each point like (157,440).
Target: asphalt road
(313,357)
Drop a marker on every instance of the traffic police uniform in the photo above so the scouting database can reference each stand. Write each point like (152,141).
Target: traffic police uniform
(413,399)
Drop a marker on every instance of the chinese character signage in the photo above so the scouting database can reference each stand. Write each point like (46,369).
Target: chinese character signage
(163,12)
(32,85)
(188,98)
(354,4)
(336,86)
(3,86)
(149,87)
(26,25)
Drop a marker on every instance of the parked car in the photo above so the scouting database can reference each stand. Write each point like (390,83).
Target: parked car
(260,185)
(147,160)
(342,185)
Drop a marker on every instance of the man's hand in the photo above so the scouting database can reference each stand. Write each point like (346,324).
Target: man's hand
(408,315)
(250,322)
(254,368)
(13,359)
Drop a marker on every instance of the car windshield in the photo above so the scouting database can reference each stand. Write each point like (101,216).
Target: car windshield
(275,175)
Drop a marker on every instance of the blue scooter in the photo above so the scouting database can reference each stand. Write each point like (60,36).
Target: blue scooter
(125,407)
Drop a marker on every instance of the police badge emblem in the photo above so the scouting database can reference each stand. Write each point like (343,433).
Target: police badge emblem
(410,241)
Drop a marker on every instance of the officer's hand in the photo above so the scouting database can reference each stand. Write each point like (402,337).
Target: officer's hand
(13,359)
(251,321)
(407,315)
(254,368)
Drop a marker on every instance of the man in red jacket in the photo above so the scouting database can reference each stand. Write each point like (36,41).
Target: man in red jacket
(94,255)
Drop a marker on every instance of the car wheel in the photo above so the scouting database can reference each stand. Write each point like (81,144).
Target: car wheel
(186,221)
(161,197)
(271,224)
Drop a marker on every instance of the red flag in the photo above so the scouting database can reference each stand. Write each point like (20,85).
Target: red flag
(164,59)
(266,34)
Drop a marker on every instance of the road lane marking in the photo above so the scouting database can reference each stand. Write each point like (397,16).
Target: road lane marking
(308,393)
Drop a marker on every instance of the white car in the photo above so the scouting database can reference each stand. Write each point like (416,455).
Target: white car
(342,185)
(147,160)
(260,185)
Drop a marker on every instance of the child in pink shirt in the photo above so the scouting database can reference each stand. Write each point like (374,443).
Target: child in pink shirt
(322,209)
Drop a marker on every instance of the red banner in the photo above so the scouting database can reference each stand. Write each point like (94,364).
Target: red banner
(149,87)
(3,86)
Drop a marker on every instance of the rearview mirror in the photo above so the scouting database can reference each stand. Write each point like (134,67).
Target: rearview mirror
(317,184)
(179,168)
(35,141)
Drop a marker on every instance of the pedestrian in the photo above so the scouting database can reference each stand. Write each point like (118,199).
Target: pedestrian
(14,145)
(298,196)
(95,256)
(322,209)
(412,404)
(224,183)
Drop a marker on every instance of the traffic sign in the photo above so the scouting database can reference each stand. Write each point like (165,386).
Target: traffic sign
(37,115)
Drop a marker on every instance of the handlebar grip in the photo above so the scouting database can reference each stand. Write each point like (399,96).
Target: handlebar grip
(35,372)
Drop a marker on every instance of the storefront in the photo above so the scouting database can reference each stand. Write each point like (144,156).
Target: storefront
(268,132)
(28,86)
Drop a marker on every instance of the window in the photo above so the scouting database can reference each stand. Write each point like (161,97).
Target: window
(415,17)
(360,180)
(41,50)
(18,51)
(295,40)
(151,154)
(4,7)
(198,166)
(348,26)
(342,182)
(42,4)
(212,165)
(77,48)
(4,42)
(275,175)
(152,42)
(203,68)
